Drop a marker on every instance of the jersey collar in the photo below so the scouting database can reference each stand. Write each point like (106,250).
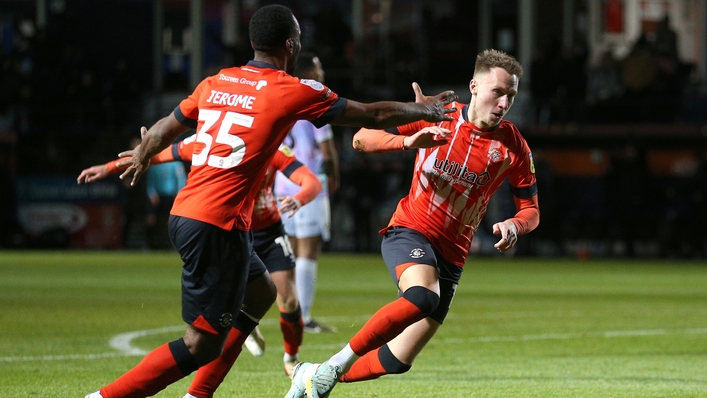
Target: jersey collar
(261,64)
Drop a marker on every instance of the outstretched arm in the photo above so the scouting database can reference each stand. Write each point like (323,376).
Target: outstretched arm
(380,141)
(99,172)
(385,114)
(311,186)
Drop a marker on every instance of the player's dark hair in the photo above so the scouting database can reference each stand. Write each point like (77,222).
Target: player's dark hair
(305,64)
(270,27)
(497,59)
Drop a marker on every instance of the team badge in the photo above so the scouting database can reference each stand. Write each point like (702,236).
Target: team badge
(532,165)
(313,84)
(495,155)
(226,319)
(417,253)
(286,150)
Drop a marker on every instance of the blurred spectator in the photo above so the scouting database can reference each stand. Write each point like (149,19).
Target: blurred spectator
(639,67)
(604,80)
(666,40)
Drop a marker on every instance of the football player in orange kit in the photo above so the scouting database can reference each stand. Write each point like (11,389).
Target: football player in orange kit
(270,241)
(241,115)
(460,164)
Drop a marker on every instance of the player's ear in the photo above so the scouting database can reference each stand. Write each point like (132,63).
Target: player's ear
(290,45)
(472,87)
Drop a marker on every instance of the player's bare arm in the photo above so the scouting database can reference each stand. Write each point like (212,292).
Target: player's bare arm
(93,173)
(384,114)
(154,140)
(380,141)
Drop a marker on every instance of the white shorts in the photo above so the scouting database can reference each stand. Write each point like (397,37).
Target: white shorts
(312,219)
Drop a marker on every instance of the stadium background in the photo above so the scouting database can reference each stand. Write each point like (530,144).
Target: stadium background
(617,120)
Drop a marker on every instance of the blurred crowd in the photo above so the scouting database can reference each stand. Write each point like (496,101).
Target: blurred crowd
(62,110)
(649,84)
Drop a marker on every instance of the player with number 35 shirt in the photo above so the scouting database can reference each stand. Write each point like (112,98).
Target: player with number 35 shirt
(230,111)
(241,115)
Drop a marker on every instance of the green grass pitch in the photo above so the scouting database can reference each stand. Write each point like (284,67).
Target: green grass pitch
(517,327)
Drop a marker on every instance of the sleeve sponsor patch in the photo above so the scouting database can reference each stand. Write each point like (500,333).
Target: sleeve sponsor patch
(286,150)
(532,165)
(313,84)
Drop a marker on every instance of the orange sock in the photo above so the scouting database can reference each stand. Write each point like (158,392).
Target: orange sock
(160,368)
(210,376)
(368,367)
(374,365)
(292,330)
(384,325)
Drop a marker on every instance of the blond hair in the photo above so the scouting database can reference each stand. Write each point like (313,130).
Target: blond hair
(497,59)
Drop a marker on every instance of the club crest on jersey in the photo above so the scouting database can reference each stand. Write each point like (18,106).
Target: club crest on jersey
(313,84)
(417,253)
(495,155)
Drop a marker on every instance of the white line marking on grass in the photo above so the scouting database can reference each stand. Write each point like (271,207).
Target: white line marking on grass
(567,336)
(123,342)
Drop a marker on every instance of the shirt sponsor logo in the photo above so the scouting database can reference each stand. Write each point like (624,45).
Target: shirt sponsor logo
(457,173)
(326,95)
(417,253)
(313,84)
(223,98)
(257,84)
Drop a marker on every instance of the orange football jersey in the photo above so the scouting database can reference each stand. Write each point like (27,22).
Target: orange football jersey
(453,183)
(241,116)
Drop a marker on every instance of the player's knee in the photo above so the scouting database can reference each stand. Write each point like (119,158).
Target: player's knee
(390,363)
(424,299)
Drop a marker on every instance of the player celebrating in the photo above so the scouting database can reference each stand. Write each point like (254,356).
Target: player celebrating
(241,115)
(460,164)
(270,243)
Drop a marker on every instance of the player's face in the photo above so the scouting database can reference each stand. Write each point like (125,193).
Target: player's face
(493,94)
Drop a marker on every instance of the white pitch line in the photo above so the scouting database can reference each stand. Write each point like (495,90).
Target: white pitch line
(123,342)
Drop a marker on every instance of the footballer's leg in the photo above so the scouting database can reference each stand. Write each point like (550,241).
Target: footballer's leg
(396,356)
(208,312)
(312,228)
(259,295)
(291,323)
(418,282)
(273,246)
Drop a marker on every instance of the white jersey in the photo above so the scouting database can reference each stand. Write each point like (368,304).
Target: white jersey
(304,139)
